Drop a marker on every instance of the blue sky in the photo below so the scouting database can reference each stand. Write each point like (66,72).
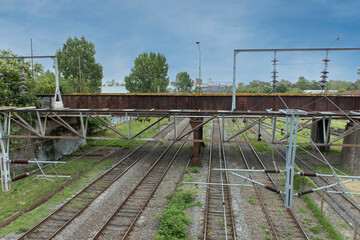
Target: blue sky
(121,30)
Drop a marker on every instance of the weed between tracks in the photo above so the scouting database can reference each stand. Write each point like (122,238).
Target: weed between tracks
(174,220)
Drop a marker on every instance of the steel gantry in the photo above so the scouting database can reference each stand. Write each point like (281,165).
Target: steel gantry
(277,50)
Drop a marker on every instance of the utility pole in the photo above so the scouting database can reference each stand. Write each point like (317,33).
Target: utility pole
(79,73)
(198,43)
(32,60)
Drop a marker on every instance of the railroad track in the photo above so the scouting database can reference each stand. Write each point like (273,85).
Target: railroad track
(340,203)
(219,220)
(63,216)
(121,222)
(282,220)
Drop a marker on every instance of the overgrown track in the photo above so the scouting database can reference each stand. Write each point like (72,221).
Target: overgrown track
(63,216)
(121,222)
(219,220)
(282,220)
(340,203)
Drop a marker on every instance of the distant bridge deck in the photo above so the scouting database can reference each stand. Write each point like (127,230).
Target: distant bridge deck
(244,101)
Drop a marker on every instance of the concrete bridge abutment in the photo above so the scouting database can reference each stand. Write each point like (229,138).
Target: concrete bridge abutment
(350,156)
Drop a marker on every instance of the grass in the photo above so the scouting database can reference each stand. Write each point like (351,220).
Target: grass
(261,147)
(174,221)
(251,201)
(266,232)
(136,127)
(27,191)
(280,211)
(28,220)
(303,138)
(315,229)
(341,224)
(323,221)
(307,220)
(302,210)
(194,169)
(288,234)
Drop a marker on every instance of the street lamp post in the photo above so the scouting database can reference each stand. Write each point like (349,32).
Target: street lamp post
(198,43)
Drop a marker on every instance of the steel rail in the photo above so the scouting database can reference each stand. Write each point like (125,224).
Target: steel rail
(226,197)
(267,214)
(155,188)
(273,182)
(32,230)
(59,188)
(227,181)
(328,195)
(205,230)
(104,175)
(150,171)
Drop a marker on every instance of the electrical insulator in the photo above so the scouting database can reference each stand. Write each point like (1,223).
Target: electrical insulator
(324,72)
(274,72)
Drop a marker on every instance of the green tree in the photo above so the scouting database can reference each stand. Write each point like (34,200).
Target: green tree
(241,88)
(91,71)
(183,82)
(149,74)
(11,86)
(303,83)
(282,87)
(45,83)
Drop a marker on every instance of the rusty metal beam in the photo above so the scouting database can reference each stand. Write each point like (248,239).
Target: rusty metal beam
(207,102)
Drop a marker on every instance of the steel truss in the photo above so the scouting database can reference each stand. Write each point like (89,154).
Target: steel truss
(46,116)
(276,50)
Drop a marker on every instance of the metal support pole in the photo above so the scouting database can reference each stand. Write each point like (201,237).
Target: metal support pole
(4,155)
(127,125)
(328,131)
(40,124)
(324,130)
(175,126)
(233,106)
(223,127)
(83,130)
(292,120)
(57,104)
(274,129)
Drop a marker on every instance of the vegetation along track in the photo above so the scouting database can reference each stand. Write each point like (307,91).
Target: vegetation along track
(218,220)
(63,216)
(121,222)
(340,203)
(281,220)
